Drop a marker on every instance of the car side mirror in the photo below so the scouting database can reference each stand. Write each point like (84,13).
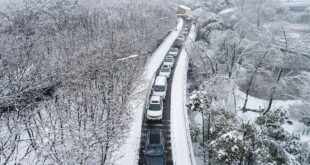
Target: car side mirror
(146,106)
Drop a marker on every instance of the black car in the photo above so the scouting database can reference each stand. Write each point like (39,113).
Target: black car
(154,152)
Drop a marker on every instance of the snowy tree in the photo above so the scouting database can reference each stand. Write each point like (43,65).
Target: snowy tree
(63,93)
(199,102)
(276,145)
(223,139)
(251,49)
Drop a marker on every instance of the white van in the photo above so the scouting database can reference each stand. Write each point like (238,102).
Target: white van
(160,86)
(155,108)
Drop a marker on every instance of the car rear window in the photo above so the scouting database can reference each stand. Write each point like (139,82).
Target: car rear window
(154,107)
(168,60)
(154,151)
(159,88)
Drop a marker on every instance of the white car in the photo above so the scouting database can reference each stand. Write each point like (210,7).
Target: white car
(155,108)
(169,60)
(173,51)
(165,71)
(185,31)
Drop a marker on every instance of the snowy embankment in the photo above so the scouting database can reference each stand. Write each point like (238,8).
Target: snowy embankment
(255,103)
(129,152)
(182,150)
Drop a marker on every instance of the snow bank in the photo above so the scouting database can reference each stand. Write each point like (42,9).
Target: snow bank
(129,152)
(296,2)
(255,103)
(182,149)
(192,35)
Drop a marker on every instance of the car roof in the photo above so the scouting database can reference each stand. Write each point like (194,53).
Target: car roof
(155,136)
(155,98)
(169,56)
(160,80)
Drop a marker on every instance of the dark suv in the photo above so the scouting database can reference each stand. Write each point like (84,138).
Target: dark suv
(154,152)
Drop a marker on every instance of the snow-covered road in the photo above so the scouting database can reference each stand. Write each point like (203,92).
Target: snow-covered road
(129,152)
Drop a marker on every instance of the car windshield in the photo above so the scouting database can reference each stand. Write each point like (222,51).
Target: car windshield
(164,70)
(168,60)
(154,107)
(154,150)
(159,88)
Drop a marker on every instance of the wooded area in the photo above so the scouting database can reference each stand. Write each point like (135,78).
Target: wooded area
(63,91)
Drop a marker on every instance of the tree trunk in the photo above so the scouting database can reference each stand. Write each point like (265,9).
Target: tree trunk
(203,137)
(232,64)
(212,66)
(235,101)
(251,80)
(273,92)
(279,75)
(208,137)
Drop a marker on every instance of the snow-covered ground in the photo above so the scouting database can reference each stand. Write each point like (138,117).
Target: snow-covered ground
(129,152)
(296,2)
(255,103)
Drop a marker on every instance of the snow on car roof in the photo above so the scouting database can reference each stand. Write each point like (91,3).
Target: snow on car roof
(160,80)
(155,98)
